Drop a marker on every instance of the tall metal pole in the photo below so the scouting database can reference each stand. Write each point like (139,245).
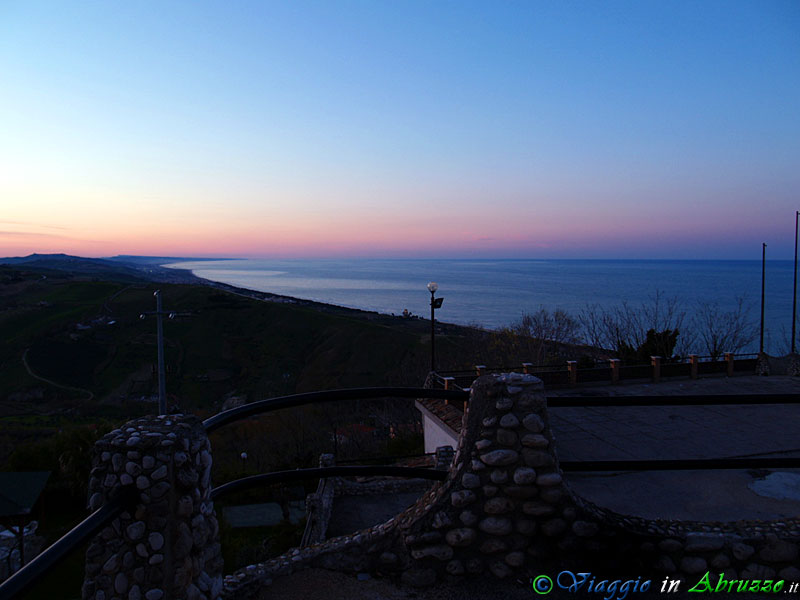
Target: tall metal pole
(162,379)
(763,285)
(433,335)
(794,301)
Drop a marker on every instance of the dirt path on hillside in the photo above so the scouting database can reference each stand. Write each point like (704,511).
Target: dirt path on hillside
(51,382)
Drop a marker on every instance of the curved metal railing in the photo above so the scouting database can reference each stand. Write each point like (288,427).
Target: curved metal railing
(30,573)
(126,496)
(245,483)
(262,406)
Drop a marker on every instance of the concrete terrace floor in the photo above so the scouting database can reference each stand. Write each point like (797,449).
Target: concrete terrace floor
(683,432)
(631,433)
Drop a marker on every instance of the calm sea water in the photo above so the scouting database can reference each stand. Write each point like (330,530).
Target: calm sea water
(493,293)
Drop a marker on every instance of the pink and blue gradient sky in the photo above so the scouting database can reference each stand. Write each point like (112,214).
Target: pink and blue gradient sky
(375,128)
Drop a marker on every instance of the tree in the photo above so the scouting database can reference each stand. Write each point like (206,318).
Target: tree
(656,343)
(721,330)
(537,335)
(630,331)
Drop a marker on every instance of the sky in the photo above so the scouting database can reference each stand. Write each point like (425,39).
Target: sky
(536,129)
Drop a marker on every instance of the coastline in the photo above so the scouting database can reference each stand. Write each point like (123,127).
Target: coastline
(326,307)
(491,294)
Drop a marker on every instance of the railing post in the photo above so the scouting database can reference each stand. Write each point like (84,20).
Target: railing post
(480,369)
(693,365)
(729,360)
(614,363)
(655,361)
(449,384)
(526,368)
(572,368)
(168,547)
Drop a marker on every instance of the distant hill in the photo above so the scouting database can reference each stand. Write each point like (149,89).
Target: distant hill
(158,260)
(118,268)
(15,260)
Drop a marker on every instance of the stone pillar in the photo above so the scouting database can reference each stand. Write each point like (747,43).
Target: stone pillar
(729,360)
(168,547)
(614,362)
(502,507)
(693,367)
(655,361)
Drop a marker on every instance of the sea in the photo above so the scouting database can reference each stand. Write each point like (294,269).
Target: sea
(494,293)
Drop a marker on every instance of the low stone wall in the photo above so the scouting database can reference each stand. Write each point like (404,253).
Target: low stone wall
(778,365)
(319,506)
(168,547)
(505,510)
(382,485)
(10,559)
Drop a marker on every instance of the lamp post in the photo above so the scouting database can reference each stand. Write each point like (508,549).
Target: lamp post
(435,303)
(794,298)
(763,285)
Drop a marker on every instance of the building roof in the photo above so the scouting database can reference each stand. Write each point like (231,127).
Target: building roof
(20,490)
(448,414)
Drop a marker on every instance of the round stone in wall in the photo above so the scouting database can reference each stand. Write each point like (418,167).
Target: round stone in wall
(462,536)
(496,526)
(462,498)
(500,458)
(509,421)
(533,422)
(524,476)
(498,476)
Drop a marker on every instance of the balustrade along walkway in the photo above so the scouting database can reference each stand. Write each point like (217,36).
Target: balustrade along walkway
(503,510)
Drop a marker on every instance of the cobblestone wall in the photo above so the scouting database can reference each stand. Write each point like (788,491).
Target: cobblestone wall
(345,487)
(319,506)
(506,510)
(168,547)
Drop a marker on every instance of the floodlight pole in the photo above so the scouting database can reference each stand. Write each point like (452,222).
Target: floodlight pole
(794,298)
(162,376)
(763,285)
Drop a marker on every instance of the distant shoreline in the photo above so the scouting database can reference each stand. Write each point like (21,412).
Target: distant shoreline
(281,299)
(493,294)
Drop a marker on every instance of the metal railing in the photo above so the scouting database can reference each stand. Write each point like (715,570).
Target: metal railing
(571,373)
(27,576)
(262,406)
(676,464)
(125,496)
(246,483)
(684,464)
(688,400)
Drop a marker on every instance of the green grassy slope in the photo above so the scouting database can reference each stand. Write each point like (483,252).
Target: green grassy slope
(87,340)
(76,360)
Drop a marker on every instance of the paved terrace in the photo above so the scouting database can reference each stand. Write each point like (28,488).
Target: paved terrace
(683,432)
(628,433)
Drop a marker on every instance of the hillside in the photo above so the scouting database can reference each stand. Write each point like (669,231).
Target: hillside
(75,349)
(117,268)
